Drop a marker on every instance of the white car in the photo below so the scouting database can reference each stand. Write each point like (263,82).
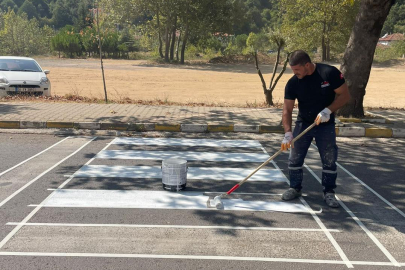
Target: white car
(23,75)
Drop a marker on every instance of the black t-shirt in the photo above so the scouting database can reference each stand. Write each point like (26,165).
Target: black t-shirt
(314,92)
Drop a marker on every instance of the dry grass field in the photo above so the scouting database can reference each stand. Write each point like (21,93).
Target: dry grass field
(210,84)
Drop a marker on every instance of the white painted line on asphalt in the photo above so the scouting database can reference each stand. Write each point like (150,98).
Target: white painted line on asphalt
(42,174)
(197,173)
(188,142)
(360,223)
(345,260)
(201,156)
(191,257)
(329,236)
(369,188)
(34,156)
(33,212)
(172,226)
(372,190)
(159,200)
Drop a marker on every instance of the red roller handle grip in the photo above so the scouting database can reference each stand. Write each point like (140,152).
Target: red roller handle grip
(233,189)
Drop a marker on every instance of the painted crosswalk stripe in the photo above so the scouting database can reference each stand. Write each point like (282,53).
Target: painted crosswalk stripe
(159,200)
(188,142)
(201,156)
(197,173)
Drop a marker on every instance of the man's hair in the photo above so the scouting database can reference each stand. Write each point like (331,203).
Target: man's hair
(299,57)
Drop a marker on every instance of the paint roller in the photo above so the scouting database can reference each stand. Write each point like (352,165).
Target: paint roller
(217,201)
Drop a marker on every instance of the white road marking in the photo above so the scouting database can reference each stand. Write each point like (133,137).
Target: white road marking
(369,188)
(34,156)
(42,174)
(33,212)
(159,200)
(173,226)
(188,142)
(201,156)
(323,227)
(192,257)
(362,226)
(197,173)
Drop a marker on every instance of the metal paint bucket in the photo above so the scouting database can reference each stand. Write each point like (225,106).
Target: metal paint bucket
(174,174)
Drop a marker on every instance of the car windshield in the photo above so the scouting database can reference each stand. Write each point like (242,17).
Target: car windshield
(19,65)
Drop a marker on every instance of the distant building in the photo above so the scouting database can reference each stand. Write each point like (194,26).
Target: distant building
(388,39)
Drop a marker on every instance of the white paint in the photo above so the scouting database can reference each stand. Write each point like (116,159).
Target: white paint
(159,200)
(329,236)
(187,142)
(37,208)
(172,226)
(34,156)
(197,173)
(201,156)
(42,174)
(360,223)
(372,190)
(322,226)
(191,257)
(369,188)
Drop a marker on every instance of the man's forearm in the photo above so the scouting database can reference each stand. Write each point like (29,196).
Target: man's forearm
(342,97)
(287,122)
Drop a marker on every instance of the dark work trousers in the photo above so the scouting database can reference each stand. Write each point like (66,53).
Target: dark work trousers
(325,137)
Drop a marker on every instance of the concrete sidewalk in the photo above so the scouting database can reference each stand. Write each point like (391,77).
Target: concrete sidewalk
(131,117)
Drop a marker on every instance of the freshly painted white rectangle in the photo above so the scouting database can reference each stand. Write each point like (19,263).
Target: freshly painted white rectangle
(198,173)
(158,200)
(187,142)
(202,156)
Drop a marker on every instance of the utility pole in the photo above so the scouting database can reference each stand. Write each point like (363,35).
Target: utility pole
(101,51)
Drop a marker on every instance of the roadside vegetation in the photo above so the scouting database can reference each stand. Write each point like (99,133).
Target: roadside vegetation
(177,31)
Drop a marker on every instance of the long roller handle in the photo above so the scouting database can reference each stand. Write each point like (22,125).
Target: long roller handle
(268,160)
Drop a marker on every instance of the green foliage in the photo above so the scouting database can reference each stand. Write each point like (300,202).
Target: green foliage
(313,24)
(257,15)
(8,4)
(240,42)
(258,42)
(395,22)
(29,9)
(67,41)
(21,36)
(89,40)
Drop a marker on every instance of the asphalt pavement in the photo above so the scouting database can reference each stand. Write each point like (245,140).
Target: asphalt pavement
(90,202)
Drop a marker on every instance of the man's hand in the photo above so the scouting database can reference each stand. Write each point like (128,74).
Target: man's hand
(323,116)
(286,144)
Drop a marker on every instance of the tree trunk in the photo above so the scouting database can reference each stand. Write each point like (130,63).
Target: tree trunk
(177,47)
(159,36)
(183,45)
(359,53)
(167,42)
(324,42)
(173,38)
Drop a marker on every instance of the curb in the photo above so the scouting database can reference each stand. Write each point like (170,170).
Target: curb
(341,131)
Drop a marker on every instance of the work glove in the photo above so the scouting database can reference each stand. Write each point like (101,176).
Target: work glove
(323,116)
(286,144)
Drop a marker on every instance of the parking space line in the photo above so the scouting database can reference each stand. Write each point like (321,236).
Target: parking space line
(360,223)
(34,156)
(368,187)
(339,250)
(173,227)
(42,174)
(33,212)
(192,257)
